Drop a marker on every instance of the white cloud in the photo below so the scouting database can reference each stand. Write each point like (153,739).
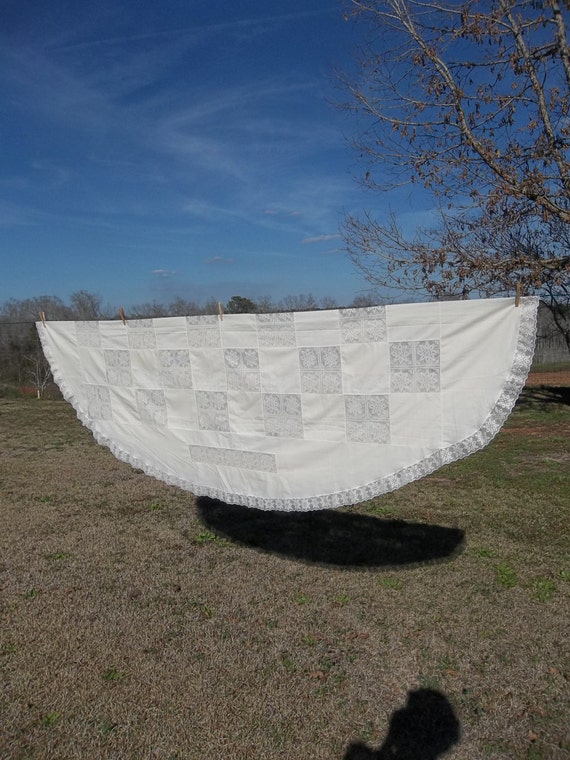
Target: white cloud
(320,238)
(281,212)
(14,215)
(219,260)
(163,272)
(196,32)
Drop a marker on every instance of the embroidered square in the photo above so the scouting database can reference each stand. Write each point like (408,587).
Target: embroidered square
(99,402)
(212,410)
(415,366)
(88,334)
(276,329)
(366,325)
(118,366)
(141,333)
(175,368)
(320,369)
(203,331)
(367,418)
(282,415)
(242,368)
(151,406)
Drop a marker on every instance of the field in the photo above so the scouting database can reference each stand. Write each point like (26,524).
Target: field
(557,375)
(138,622)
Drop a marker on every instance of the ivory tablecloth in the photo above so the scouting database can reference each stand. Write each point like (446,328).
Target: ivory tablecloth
(297,411)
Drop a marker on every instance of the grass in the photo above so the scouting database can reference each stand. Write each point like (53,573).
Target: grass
(551,367)
(506,575)
(138,622)
(112,674)
(207,537)
(544,589)
(51,719)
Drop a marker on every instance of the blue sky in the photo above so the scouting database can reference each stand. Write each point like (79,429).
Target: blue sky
(188,148)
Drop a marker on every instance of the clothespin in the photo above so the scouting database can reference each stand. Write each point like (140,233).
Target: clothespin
(518,295)
(122,315)
(43,318)
(220,310)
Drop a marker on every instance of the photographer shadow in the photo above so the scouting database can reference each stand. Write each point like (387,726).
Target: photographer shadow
(331,537)
(425,729)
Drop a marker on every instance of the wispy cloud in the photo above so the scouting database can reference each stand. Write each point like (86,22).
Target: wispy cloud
(204,210)
(282,213)
(233,142)
(58,175)
(163,273)
(231,134)
(182,138)
(13,215)
(320,238)
(197,30)
(219,260)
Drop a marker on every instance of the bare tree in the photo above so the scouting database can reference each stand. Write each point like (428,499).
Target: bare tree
(182,308)
(364,299)
(37,371)
(22,362)
(301,302)
(328,302)
(148,310)
(28,309)
(265,304)
(85,305)
(471,100)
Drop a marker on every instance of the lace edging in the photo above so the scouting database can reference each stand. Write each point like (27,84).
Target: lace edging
(496,418)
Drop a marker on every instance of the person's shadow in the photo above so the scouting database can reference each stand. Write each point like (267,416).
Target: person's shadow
(422,730)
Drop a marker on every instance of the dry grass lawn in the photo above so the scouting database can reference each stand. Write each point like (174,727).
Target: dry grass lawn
(137,622)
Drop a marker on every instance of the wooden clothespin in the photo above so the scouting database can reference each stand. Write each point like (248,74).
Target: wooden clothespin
(122,315)
(220,310)
(43,318)
(518,295)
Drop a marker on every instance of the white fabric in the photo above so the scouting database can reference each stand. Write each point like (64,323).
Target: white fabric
(297,411)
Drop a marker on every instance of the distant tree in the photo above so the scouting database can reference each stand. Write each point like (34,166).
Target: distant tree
(21,358)
(37,369)
(22,362)
(328,302)
(181,308)
(147,310)
(302,302)
(472,101)
(265,305)
(240,305)
(364,299)
(210,306)
(85,305)
(28,309)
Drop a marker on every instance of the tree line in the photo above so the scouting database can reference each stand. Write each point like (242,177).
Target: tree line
(23,365)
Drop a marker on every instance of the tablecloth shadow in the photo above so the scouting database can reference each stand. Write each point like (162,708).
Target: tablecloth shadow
(543,396)
(424,729)
(331,537)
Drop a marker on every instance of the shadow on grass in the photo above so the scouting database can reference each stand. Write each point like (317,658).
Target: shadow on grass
(422,730)
(543,395)
(330,537)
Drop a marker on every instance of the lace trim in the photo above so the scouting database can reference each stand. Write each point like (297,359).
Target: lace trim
(499,413)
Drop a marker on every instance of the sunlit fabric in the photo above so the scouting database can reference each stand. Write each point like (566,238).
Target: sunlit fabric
(297,411)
